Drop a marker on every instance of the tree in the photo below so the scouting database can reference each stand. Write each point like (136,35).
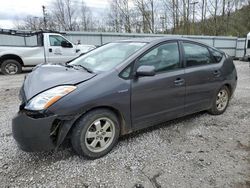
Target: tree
(64,12)
(120,16)
(146,10)
(208,17)
(29,23)
(86,18)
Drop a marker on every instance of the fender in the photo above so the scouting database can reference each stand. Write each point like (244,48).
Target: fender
(11,56)
(67,125)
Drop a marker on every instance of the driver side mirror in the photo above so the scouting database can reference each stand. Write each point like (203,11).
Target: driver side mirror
(145,70)
(66,44)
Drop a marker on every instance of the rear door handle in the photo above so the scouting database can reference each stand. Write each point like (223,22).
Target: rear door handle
(179,82)
(50,49)
(217,73)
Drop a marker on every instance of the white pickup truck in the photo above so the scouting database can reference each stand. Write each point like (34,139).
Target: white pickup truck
(43,47)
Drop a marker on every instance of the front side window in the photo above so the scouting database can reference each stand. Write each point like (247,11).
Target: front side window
(248,44)
(108,56)
(56,40)
(196,55)
(164,57)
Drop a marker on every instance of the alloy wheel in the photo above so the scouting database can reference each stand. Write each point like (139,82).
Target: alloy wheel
(222,100)
(100,134)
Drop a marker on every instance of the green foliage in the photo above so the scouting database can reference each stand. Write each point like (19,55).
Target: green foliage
(234,24)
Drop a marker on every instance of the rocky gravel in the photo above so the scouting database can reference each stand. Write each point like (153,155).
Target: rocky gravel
(199,150)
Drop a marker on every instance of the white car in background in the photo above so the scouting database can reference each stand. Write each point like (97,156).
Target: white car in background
(247,47)
(39,47)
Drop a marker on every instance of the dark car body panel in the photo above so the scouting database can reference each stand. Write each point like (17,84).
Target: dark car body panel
(115,94)
(27,132)
(48,76)
(200,84)
(139,102)
(149,98)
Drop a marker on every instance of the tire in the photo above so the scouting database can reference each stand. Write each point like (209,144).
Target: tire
(11,67)
(89,137)
(220,103)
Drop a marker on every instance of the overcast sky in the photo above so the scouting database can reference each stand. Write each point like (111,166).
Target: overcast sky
(13,9)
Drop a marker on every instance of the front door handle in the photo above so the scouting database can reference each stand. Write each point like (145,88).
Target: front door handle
(50,49)
(179,82)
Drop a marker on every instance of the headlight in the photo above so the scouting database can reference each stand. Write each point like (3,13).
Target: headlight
(49,97)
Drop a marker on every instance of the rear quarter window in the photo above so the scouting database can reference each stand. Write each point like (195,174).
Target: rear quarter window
(216,54)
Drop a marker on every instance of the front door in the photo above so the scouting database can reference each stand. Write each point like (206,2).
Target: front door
(158,98)
(59,54)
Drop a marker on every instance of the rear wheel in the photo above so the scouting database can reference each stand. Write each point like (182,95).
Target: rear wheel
(10,67)
(96,133)
(220,102)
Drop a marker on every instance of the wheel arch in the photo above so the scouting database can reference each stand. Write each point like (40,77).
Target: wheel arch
(11,56)
(229,88)
(122,122)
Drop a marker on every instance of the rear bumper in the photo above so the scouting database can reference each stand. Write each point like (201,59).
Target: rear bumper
(33,134)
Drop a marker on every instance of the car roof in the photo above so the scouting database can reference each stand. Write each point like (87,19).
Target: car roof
(147,39)
(159,39)
(156,39)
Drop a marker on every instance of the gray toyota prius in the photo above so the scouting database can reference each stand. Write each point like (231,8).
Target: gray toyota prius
(119,88)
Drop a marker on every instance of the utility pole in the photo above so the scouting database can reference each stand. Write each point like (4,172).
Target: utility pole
(44,17)
(194,3)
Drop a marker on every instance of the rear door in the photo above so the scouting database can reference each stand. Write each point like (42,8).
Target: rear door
(202,76)
(161,97)
(57,53)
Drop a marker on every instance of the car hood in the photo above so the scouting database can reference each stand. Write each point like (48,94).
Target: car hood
(47,76)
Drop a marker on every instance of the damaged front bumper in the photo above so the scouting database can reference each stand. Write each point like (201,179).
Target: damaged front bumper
(34,134)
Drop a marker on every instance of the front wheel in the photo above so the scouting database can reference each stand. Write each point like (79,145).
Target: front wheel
(220,102)
(10,67)
(95,134)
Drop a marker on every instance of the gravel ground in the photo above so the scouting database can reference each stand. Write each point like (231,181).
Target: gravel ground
(195,151)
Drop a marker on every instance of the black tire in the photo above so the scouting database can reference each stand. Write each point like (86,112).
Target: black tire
(17,67)
(79,140)
(214,110)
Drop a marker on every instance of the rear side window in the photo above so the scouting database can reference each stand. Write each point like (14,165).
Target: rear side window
(248,44)
(216,54)
(196,55)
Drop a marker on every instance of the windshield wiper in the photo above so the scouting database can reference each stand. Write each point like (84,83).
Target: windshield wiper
(85,68)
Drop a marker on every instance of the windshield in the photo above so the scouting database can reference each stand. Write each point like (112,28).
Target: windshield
(108,56)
